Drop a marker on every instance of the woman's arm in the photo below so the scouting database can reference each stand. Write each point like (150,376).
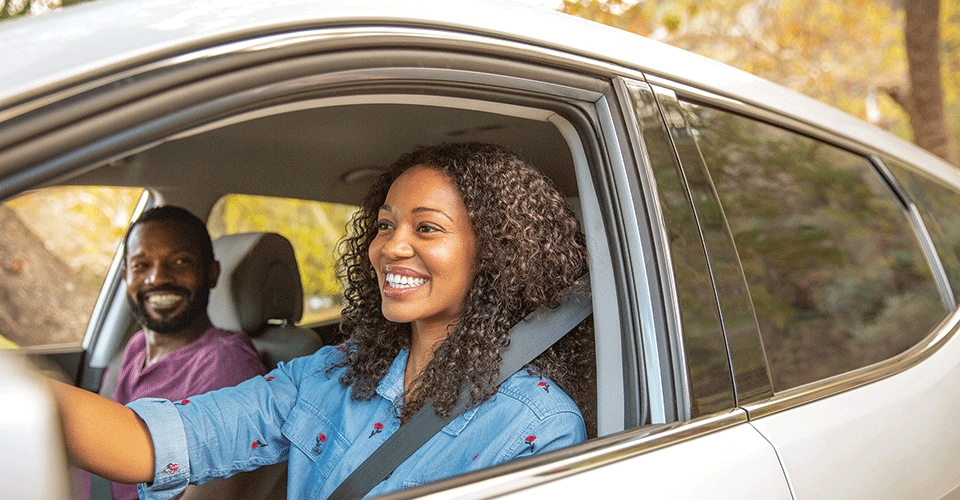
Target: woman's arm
(104,437)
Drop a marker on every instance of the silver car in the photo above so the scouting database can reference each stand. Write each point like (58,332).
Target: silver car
(774,282)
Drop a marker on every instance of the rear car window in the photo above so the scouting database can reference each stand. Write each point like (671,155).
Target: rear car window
(939,206)
(836,275)
(314,229)
(55,253)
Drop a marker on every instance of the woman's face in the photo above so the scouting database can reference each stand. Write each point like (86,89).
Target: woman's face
(424,251)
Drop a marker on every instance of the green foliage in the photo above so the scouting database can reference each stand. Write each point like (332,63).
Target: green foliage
(837,280)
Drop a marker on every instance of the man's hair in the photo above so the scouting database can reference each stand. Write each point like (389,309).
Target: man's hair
(194,226)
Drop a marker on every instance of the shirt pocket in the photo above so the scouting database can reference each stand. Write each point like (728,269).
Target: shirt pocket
(315,436)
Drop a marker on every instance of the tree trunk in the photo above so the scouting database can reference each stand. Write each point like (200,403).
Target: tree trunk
(925,103)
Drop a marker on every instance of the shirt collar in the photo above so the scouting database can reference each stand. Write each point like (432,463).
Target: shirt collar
(391,385)
(391,389)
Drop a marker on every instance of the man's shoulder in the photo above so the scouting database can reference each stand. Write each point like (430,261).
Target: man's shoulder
(227,351)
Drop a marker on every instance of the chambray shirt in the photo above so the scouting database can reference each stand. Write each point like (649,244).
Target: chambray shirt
(300,413)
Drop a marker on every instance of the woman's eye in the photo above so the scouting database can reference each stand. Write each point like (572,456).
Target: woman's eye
(382,225)
(427,228)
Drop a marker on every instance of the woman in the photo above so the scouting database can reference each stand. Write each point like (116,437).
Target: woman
(453,245)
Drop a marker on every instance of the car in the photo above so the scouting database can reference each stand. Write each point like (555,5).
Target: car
(774,282)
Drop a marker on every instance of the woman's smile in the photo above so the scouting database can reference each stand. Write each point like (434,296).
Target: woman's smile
(400,282)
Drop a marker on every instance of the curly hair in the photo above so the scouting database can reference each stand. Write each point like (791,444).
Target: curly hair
(529,249)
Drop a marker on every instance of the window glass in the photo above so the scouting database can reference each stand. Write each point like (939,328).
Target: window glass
(836,275)
(313,228)
(708,369)
(55,252)
(939,206)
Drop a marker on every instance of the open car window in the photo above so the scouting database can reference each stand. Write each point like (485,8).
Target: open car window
(57,247)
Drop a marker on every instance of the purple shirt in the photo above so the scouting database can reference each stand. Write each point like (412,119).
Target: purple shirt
(217,359)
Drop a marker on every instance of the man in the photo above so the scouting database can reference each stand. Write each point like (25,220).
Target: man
(169,269)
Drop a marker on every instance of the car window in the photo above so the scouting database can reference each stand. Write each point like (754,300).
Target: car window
(836,275)
(314,229)
(708,369)
(939,206)
(55,253)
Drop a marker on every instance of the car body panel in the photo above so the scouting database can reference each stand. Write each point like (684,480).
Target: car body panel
(843,446)
(733,463)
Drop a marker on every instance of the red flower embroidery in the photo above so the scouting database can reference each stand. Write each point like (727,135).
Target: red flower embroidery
(543,385)
(269,378)
(377,427)
(342,347)
(183,402)
(257,444)
(318,448)
(171,468)
(529,441)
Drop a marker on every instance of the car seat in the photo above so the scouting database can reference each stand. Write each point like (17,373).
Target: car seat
(259,293)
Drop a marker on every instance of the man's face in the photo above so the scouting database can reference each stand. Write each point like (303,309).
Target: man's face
(168,281)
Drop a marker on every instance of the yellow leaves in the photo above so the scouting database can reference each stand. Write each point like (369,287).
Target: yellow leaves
(672,23)
(82,226)
(832,51)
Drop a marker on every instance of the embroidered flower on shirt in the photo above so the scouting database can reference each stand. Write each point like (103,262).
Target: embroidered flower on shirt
(529,441)
(257,444)
(377,427)
(544,385)
(269,378)
(342,347)
(171,468)
(318,448)
(182,402)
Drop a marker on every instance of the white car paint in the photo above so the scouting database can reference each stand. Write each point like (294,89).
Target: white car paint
(887,439)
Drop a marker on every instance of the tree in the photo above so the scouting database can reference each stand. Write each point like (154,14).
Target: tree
(850,55)
(924,99)
(18,8)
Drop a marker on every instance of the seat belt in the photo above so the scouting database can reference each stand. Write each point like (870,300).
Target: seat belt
(528,339)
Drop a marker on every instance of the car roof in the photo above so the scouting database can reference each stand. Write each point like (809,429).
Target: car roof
(76,44)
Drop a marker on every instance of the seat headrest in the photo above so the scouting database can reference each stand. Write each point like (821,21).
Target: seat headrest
(259,281)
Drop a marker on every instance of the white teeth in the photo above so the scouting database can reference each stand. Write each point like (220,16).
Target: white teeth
(398,281)
(163,299)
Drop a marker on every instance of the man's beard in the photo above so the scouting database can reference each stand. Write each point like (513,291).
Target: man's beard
(196,305)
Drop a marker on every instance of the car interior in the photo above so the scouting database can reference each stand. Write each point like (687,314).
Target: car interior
(328,146)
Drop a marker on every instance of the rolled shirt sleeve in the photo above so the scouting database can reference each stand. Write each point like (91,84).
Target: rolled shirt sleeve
(172,472)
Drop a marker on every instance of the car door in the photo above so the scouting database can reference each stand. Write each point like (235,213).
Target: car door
(850,298)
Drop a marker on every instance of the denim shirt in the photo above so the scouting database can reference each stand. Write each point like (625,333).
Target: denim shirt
(300,413)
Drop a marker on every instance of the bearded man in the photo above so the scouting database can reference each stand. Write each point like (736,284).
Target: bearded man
(169,269)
